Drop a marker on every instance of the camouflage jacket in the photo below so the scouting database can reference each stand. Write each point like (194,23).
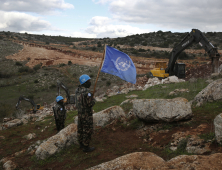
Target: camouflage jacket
(84,101)
(59,112)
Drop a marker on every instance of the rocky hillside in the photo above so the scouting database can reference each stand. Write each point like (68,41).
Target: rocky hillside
(30,66)
(140,127)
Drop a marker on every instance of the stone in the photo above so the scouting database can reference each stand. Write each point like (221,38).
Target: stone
(103,117)
(136,160)
(167,110)
(195,145)
(148,160)
(56,143)
(218,128)
(12,123)
(9,165)
(212,92)
(132,96)
(30,136)
(2,137)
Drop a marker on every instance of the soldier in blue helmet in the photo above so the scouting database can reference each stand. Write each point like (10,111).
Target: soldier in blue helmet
(59,113)
(84,103)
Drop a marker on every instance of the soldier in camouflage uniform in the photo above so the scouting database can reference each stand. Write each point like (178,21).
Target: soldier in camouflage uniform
(59,113)
(84,104)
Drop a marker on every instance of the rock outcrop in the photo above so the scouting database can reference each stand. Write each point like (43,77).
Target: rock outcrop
(12,123)
(218,128)
(167,110)
(211,93)
(56,143)
(103,117)
(137,160)
(148,160)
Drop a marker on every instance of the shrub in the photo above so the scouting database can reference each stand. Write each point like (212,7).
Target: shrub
(18,63)
(36,81)
(108,83)
(69,62)
(5,75)
(23,69)
(62,64)
(94,49)
(37,67)
(144,43)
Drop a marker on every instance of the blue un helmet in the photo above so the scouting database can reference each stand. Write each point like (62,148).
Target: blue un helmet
(84,78)
(58,98)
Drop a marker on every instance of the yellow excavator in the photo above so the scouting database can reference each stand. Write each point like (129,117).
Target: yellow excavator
(35,107)
(178,69)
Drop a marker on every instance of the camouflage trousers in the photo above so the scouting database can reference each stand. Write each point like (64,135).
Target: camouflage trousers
(60,123)
(85,129)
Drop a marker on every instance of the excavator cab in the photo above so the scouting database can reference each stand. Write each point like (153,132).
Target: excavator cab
(179,70)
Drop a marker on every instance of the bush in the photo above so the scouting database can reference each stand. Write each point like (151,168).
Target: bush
(37,67)
(23,69)
(108,83)
(94,49)
(69,62)
(62,64)
(36,81)
(5,75)
(18,63)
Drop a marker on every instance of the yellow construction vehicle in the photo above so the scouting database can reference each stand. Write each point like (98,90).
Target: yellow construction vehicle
(159,70)
(178,69)
(35,107)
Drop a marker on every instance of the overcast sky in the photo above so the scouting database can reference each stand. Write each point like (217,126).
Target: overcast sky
(109,18)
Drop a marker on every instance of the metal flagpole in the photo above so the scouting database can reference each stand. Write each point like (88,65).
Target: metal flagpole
(99,69)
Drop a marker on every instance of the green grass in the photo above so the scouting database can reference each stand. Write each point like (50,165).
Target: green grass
(207,136)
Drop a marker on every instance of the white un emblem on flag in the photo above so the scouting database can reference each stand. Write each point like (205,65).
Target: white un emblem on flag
(122,64)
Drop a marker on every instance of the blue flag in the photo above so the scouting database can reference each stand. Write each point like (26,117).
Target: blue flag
(119,64)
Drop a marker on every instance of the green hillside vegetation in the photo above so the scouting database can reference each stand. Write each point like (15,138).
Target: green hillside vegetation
(107,149)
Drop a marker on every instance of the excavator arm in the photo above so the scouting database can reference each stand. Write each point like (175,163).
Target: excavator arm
(195,36)
(70,98)
(28,100)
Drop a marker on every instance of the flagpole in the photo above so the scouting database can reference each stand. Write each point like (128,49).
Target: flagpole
(99,69)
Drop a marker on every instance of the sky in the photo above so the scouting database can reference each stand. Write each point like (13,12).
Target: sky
(109,18)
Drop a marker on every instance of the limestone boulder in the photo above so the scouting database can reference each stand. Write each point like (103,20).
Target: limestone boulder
(148,160)
(137,160)
(196,162)
(56,143)
(212,92)
(167,110)
(12,123)
(218,128)
(103,117)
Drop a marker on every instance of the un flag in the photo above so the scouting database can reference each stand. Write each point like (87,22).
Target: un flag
(119,64)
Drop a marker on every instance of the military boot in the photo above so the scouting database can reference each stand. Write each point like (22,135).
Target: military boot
(88,149)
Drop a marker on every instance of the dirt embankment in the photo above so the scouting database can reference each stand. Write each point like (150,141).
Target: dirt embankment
(52,55)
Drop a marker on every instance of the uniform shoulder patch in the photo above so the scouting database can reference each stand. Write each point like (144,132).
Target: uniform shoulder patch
(89,94)
(61,109)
